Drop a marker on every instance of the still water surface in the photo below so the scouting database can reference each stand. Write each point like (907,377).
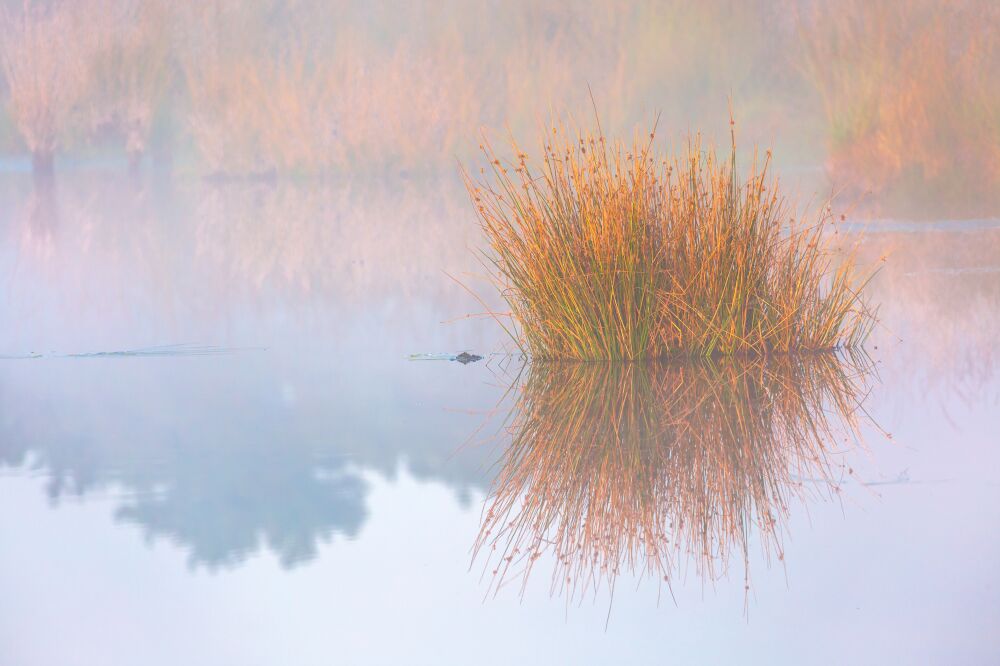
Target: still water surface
(267,479)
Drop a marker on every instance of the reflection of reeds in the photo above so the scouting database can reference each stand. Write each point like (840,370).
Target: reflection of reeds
(617,252)
(633,467)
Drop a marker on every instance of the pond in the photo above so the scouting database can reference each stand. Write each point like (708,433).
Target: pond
(215,449)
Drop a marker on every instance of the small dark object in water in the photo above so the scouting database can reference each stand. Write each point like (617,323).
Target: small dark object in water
(463,358)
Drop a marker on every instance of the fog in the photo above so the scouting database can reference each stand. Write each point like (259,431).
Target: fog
(891,105)
(227,227)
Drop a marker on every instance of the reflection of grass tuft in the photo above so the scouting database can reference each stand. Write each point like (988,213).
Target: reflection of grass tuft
(617,252)
(634,467)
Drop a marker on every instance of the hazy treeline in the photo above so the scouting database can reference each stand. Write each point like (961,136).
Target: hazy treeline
(886,95)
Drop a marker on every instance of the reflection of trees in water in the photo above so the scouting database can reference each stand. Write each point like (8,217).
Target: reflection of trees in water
(641,468)
(42,211)
(87,243)
(354,241)
(233,454)
(223,506)
(36,217)
(220,488)
(127,262)
(108,247)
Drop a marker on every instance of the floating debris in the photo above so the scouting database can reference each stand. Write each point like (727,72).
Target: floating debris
(463,357)
(167,350)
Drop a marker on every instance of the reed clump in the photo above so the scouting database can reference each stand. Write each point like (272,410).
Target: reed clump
(608,250)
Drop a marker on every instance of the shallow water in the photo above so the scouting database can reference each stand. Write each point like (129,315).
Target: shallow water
(266,478)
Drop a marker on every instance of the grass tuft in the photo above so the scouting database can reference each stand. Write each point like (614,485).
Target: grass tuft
(614,251)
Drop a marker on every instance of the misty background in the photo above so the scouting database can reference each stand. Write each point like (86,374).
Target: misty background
(893,105)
